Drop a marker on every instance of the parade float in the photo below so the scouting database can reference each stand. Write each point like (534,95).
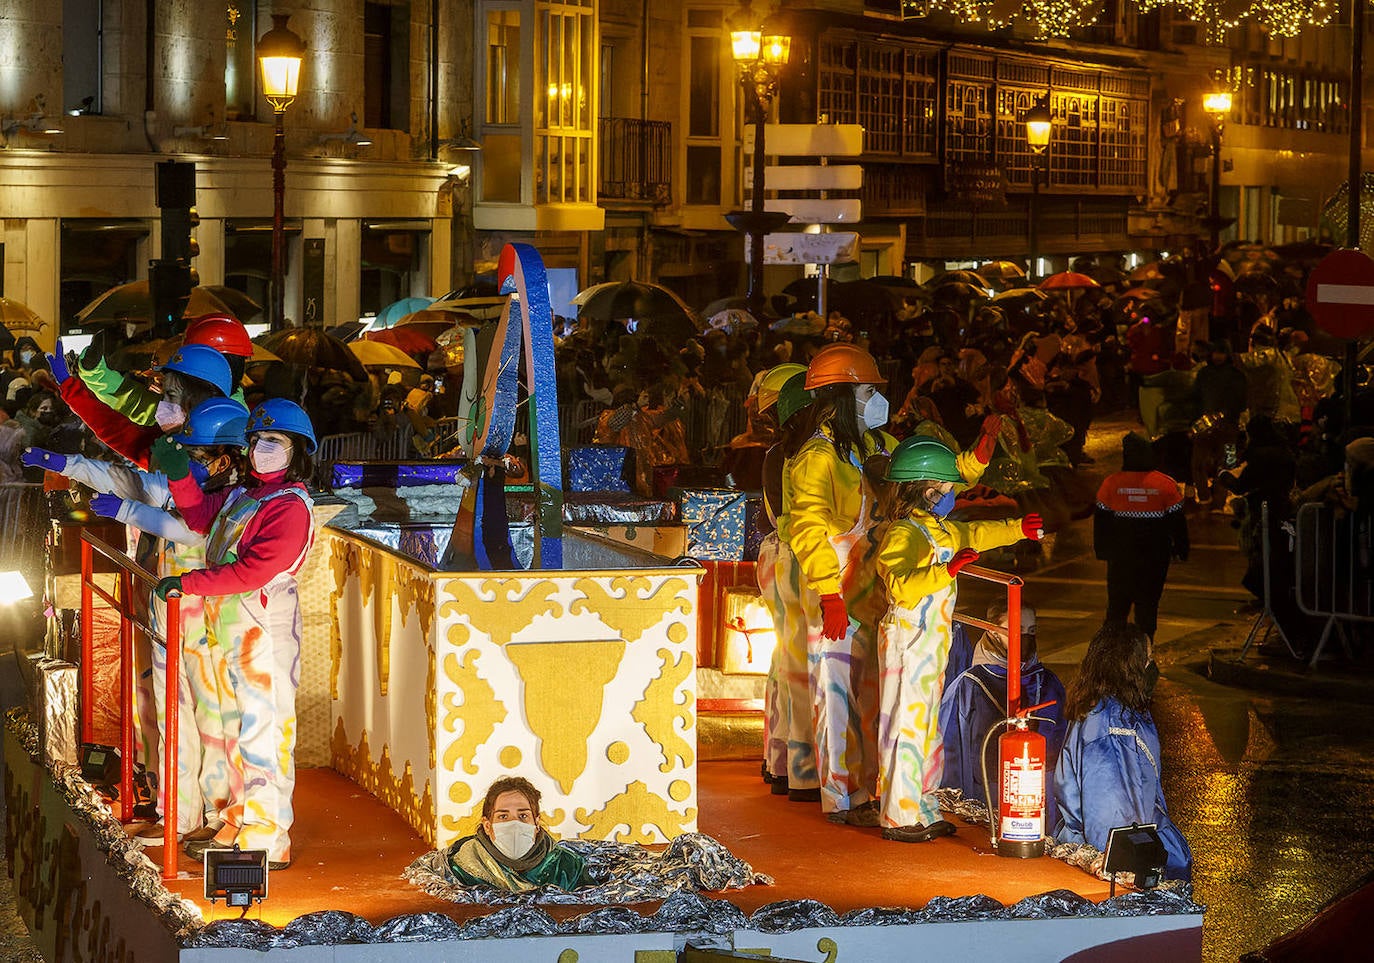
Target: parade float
(441,653)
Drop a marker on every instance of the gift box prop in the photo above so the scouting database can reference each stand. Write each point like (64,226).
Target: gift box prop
(715,522)
(599,468)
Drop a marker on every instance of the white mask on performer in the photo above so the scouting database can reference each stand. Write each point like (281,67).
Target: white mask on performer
(513,838)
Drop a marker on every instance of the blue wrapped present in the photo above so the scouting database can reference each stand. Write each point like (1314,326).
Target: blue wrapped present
(755,526)
(598,468)
(714,519)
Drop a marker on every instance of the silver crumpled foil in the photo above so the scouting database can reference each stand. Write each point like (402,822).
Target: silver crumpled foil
(1055,904)
(608,919)
(794,914)
(951,909)
(180,917)
(880,916)
(328,928)
(688,912)
(510,922)
(244,934)
(972,811)
(620,873)
(1175,900)
(417,928)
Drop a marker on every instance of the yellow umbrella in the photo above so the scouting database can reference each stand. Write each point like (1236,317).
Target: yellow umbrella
(18,316)
(377,354)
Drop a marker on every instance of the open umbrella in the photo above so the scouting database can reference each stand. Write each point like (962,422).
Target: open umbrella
(1138,294)
(17,316)
(347,331)
(1147,273)
(407,340)
(964,277)
(431,322)
(724,304)
(958,291)
(239,304)
(1019,294)
(1001,271)
(311,347)
(157,351)
(133,303)
(858,301)
(484,308)
(379,354)
(622,300)
(397,310)
(1068,281)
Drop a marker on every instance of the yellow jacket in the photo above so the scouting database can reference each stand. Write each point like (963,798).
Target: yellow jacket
(909,565)
(822,496)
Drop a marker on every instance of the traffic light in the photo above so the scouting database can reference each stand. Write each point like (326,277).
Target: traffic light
(172,277)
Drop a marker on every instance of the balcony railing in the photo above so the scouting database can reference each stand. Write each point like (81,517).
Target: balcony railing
(636,161)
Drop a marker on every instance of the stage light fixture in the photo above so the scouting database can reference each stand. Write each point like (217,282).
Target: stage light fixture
(237,876)
(1136,849)
(99,764)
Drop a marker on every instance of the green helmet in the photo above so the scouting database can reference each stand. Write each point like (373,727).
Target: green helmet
(920,458)
(793,396)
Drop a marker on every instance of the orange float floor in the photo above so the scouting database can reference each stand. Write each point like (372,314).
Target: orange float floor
(349,851)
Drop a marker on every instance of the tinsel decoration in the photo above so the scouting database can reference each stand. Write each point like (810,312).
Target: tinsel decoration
(1336,211)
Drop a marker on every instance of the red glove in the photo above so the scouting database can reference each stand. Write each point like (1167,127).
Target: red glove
(962,558)
(834,617)
(987,441)
(1033,527)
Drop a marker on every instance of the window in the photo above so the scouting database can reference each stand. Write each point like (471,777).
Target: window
(503,67)
(240,62)
(82,33)
(565,65)
(386,59)
(703,89)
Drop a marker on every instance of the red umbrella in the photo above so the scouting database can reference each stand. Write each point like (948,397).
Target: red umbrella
(1068,281)
(411,340)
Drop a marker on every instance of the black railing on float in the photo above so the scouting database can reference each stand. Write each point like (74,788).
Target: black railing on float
(636,160)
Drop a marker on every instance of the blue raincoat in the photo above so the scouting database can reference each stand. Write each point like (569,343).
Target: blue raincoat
(975,701)
(1108,776)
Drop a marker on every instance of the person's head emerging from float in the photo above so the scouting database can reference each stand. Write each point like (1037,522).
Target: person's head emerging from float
(996,642)
(510,815)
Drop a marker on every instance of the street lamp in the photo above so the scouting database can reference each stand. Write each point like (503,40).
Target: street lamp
(280,53)
(1039,123)
(1218,105)
(760,57)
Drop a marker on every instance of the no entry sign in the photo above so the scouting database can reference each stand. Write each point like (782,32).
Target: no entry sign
(1340,294)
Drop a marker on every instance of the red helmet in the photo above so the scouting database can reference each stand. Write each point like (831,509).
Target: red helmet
(219,331)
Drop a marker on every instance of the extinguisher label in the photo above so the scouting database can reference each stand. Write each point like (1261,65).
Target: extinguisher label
(1023,800)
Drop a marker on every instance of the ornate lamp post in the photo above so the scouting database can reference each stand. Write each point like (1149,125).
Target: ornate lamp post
(1217,104)
(760,58)
(280,53)
(1038,126)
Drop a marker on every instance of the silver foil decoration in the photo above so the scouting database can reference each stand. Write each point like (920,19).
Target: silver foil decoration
(55,698)
(688,912)
(1175,900)
(948,909)
(328,928)
(620,873)
(972,811)
(417,928)
(608,919)
(512,921)
(1053,905)
(789,915)
(878,916)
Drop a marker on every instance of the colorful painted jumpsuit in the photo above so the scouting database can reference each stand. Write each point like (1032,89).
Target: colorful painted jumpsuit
(828,504)
(202,768)
(258,540)
(913,646)
(789,736)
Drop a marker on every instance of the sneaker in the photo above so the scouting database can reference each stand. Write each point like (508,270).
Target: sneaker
(865,815)
(205,832)
(277,867)
(919,833)
(147,836)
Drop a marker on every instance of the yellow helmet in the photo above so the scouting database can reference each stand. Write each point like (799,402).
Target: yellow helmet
(773,381)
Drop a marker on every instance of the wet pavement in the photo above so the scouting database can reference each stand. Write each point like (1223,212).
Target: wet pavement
(1270,777)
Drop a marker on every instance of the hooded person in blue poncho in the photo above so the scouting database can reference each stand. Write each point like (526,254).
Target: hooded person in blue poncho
(1109,768)
(976,700)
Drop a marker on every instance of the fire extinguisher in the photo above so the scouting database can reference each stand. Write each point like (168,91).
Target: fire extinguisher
(1017,823)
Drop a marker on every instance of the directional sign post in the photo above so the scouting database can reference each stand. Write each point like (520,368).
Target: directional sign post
(1340,294)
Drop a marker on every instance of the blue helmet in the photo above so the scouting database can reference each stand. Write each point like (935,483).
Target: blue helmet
(278,414)
(203,363)
(216,421)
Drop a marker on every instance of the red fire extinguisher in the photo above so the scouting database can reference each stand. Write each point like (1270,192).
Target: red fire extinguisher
(1021,776)
(1018,826)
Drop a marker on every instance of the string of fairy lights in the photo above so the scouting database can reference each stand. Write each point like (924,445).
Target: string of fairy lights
(1059,18)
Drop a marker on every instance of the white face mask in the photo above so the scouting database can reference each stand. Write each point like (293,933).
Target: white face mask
(873,412)
(269,457)
(169,415)
(513,838)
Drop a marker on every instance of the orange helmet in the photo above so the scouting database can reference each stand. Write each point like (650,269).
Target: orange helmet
(843,364)
(219,331)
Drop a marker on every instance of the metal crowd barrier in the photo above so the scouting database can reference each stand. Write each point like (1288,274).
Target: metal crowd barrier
(23,524)
(131,577)
(362,446)
(1266,617)
(1334,560)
